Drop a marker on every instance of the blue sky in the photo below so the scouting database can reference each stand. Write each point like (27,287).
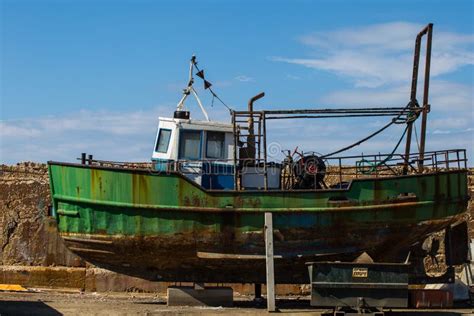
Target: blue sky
(93,76)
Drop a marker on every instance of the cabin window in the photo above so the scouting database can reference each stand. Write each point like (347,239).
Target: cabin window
(215,145)
(163,140)
(190,145)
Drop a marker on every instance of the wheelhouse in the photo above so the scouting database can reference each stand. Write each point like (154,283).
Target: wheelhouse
(201,150)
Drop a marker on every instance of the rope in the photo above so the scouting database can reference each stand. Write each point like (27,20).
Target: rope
(360,141)
(373,166)
(214,95)
(411,117)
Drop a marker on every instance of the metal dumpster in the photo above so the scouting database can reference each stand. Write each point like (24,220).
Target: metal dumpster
(358,285)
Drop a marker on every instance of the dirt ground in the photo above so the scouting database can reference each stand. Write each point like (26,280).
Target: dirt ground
(70,303)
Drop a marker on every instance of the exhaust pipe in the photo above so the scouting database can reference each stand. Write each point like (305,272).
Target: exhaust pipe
(251,137)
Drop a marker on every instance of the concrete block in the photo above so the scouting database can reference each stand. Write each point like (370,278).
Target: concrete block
(209,296)
(101,280)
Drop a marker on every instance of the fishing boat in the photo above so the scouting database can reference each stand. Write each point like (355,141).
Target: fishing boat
(196,212)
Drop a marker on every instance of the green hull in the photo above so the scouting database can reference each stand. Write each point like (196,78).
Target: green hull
(163,226)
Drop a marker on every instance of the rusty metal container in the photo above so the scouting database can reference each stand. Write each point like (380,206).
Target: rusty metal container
(359,285)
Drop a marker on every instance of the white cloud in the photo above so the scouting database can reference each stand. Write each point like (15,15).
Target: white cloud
(292,77)
(244,78)
(10,130)
(437,131)
(361,97)
(379,54)
(108,135)
(366,72)
(451,123)
(101,121)
(444,96)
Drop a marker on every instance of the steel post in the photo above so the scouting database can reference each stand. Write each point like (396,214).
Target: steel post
(425,96)
(269,262)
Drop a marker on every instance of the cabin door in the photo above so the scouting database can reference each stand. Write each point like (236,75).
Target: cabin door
(190,154)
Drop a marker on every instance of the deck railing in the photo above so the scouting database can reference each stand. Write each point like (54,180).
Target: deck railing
(341,170)
(338,173)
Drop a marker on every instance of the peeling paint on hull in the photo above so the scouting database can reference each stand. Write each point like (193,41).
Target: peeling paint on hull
(153,225)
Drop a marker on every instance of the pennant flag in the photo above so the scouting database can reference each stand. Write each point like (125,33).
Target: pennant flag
(207,84)
(200,74)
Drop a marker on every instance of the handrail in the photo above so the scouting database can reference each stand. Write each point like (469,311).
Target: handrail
(339,170)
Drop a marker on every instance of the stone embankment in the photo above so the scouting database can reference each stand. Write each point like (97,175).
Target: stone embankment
(28,235)
(34,255)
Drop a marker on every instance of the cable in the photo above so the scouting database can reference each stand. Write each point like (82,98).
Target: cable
(374,166)
(360,141)
(411,117)
(215,95)
(212,92)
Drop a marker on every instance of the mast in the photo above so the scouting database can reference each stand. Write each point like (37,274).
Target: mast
(413,102)
(190,89)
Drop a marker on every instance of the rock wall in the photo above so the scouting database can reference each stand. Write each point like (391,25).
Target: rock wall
(28,235)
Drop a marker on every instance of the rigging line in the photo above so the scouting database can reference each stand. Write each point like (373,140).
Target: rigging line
(374,166)
(337,115)
(223,103)
(398,110)
(212,92)
(395,120)
(324,112)
(360,141)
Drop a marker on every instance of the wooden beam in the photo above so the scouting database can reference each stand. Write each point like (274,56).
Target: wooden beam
(233,256)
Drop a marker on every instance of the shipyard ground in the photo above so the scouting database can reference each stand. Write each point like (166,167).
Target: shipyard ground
(57,302)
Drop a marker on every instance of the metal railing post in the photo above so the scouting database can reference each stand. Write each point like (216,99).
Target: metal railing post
(234,130)
(265,151)
(446,158)
(340,173)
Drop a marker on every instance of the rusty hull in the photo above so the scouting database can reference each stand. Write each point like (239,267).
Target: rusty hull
(164,227)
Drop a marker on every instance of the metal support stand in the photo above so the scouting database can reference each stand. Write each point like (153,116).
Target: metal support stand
(269,262)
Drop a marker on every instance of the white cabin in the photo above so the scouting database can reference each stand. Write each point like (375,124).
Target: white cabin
(202,150)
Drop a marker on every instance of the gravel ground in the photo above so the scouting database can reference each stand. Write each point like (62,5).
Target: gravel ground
(76,303)
(67,303)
